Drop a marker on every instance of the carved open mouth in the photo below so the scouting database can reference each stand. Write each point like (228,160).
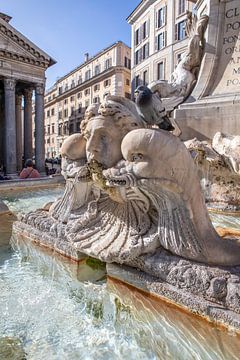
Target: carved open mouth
(116,182)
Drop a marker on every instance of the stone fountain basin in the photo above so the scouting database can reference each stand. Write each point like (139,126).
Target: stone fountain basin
(209,291)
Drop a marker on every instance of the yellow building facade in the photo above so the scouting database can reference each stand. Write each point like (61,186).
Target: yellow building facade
(108,72)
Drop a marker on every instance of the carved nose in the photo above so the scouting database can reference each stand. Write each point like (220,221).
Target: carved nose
(92,146)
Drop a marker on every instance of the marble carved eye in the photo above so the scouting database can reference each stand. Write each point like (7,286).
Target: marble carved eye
(137,157)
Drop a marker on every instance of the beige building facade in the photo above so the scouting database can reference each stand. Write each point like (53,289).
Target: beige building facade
(158,38)
(108,72)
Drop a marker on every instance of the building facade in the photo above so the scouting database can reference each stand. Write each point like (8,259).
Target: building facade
(22,72)
(108,72)
(158,39)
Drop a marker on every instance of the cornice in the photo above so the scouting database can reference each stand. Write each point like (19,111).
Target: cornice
(139,10)
(93,58)
(41,57)
(5,17)
(19,57)
(95,79)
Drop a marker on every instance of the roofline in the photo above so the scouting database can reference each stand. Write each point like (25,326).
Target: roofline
(5,17)
(101,52)
(134,10)
(18,33)
(142,6)
(85,84)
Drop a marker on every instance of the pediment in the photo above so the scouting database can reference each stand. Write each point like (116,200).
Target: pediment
(7,45)
(16,46)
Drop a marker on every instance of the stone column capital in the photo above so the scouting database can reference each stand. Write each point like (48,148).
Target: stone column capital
(28,94)
(9,84)
(40,89)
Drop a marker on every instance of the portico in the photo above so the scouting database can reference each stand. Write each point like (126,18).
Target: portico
(22,78)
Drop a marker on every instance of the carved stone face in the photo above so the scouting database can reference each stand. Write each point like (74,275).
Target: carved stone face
(103,141)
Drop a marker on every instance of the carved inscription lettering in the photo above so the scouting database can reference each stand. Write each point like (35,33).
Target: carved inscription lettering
(231,42)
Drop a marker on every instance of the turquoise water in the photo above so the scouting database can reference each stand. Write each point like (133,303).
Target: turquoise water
(55,316)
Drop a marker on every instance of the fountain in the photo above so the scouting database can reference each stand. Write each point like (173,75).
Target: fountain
(133,200)
(54,315)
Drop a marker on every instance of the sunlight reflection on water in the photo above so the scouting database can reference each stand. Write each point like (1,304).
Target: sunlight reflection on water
(57,317)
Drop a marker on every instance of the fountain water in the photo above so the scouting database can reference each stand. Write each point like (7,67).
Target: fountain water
(46,312)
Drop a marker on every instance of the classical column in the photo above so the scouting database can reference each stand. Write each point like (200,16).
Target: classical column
(1,127)
(10,158)
(39,129)
(19,131)
(28,145)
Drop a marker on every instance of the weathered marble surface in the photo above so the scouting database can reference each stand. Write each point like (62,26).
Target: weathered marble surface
(218,164)
(212,311)
(129,191)
(156,102)
(133,197)
(214,102)
(3,207)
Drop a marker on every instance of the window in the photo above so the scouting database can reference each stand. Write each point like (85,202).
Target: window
(52,111)
(108,63)
(65,129)
(87,92)
(87,75)
(71,128)
(87,103)
(66,113)
(107,82)
(72,84)
(65,101)
(160,71)
(60,115)
(137,82)
(181,6)
(161,17)
(137,39)
(79,80)
(144,30)
(96,100)
(97,70)
(72,110)
(72,98)
(145,51)
(180,32)
(179,57)
(127,63)
(48,131)
(49,98)
(137,56)
(79,95)
(127,82)
(66,87)
(161,40)
(48,113)
(60,90)
(145,77)
(53,129)
(79,108)
(96,87)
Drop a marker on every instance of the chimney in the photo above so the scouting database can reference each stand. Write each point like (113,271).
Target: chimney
(86,57)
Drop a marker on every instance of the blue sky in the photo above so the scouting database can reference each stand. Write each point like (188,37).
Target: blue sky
(66,29)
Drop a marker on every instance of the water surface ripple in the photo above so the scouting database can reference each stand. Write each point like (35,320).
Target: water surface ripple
(57,317)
